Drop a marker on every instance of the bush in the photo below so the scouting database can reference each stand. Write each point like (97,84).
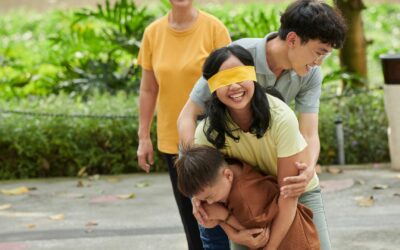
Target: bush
(60,145)
(77,52)
(364,124)
(41,146)
(89,51)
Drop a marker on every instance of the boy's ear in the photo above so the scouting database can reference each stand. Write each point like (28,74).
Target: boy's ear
(227,172)
(291,39)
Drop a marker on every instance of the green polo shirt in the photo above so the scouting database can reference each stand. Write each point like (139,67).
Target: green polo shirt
(304,90)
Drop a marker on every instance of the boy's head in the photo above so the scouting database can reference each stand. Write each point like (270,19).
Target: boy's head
(310,29)
(203,174)
(313,20)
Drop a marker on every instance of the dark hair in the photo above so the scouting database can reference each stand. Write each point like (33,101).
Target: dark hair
(197,167)
(313,19)
(215,110)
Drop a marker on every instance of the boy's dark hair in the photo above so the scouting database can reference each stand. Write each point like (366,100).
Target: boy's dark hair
(313,19)
(215,110)
(197,167)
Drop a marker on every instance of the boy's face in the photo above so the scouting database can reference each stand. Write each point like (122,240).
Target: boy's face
(304,56)
(219,191)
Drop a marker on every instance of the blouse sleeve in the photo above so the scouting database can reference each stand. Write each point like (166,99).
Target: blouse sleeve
(287,135)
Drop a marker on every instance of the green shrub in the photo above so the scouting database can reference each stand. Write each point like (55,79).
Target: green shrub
(89,51)
(76,52)
(249,20)
(364,126)
(40,146)
(82,50)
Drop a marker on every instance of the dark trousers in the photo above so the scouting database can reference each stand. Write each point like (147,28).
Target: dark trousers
(185,208)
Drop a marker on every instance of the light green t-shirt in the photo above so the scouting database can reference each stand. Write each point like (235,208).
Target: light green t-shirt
(282,139)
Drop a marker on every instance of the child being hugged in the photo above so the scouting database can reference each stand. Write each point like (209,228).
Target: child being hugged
(238,198)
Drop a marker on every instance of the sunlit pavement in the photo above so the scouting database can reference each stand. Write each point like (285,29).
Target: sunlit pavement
(138,212)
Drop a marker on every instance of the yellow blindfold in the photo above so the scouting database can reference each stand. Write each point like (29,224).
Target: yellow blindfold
(231,76)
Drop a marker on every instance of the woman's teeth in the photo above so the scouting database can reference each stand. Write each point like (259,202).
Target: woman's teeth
(237,96)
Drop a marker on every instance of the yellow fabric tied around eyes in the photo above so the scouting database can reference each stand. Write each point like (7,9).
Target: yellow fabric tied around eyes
(230,76)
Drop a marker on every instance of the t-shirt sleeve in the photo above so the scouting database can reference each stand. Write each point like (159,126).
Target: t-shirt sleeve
(200,92)
(145,53)
(221,36)
(307,100)
(288,138)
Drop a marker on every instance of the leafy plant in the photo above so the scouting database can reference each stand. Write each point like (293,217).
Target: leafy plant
(127,23)
(35,144)
(364,123)
(248,20)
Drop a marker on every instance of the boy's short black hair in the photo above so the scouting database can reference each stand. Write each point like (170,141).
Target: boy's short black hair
(197,167)
(316,20)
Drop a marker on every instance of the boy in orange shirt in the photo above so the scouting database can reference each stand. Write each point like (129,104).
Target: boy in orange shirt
(240,198)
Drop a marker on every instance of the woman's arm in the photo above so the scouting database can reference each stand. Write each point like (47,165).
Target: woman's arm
(147,102)
(287,206)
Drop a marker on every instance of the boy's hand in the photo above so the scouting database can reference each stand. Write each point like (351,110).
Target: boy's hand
(198,212)
(296,185)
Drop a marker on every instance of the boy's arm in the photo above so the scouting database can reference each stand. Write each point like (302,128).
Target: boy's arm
(307,104)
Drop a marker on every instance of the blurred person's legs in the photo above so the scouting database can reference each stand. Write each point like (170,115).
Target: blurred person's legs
(184,207)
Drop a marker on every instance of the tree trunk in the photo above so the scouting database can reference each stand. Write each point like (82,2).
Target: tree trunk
(353,54)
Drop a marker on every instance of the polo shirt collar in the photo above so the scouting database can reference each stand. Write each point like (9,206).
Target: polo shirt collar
(261,58)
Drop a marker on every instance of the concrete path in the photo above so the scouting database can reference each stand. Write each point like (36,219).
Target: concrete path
(83,214)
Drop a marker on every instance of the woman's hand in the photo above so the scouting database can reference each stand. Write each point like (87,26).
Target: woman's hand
(145,154)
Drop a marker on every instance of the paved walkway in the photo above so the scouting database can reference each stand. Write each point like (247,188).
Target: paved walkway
(82,214)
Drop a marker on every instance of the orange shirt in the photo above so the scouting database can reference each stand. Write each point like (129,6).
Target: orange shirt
(176,58)
(253,201)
